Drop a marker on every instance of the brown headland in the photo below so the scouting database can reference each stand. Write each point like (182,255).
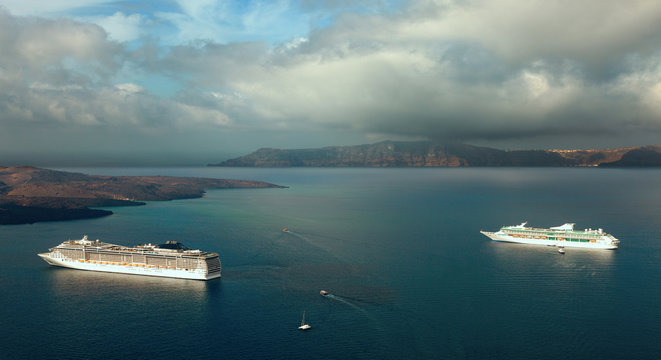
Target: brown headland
(29,194)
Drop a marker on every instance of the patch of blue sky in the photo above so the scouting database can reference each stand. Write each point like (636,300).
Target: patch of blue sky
(225,21)
(177,22)
(237,21)
(145,8)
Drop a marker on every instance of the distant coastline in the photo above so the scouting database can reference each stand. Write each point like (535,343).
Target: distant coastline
(29,194)
(433,154)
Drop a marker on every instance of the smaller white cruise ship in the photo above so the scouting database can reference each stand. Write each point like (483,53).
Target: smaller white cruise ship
(562,236)
(171,259)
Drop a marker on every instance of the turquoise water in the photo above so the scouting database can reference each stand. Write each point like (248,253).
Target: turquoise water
(399,250)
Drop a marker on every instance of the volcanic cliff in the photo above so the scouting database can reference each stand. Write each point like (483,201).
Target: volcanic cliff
(432,154)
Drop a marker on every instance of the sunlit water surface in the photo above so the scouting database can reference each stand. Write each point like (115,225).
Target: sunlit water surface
(399,250)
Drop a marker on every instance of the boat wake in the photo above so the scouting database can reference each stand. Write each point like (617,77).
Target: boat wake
(295,237)
(347,302)
(285,230)
(373,323)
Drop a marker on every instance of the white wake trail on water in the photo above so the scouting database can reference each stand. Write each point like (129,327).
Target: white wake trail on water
(347,302)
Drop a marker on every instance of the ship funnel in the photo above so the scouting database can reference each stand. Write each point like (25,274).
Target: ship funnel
(566,227)
(84,241)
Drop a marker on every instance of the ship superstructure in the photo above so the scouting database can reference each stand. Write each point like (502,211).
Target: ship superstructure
(171,259)
(563,236)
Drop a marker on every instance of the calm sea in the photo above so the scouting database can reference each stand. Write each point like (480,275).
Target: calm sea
(399,250)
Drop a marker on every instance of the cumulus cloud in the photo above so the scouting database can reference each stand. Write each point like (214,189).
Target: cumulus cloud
(121,27)
(455,70)
(460,70)
(59,77)
(41,8)
(484,69)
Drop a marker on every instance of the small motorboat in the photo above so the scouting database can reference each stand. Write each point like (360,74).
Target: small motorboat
(304,326)
(284,230)
(561,250)
(324,292)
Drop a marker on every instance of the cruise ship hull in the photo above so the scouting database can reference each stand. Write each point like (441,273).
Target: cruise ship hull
(499,236)
(171,259)
(133,269)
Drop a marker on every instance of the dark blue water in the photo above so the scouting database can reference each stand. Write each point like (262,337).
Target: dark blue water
(399,249)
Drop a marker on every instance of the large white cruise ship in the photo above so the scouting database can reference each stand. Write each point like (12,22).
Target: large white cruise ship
(171,259)
(562,236)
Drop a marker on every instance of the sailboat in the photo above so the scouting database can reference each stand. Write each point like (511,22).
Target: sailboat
(304,326)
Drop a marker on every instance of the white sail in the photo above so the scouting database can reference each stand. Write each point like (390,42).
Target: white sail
(303,326)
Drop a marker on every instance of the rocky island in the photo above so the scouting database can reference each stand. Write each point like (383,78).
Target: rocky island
(29,194)
(433,154)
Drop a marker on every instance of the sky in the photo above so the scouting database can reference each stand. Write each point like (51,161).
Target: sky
(192,82)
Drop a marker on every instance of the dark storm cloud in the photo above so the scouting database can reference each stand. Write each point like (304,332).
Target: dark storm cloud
(461,70)
(485,70)
(468,70)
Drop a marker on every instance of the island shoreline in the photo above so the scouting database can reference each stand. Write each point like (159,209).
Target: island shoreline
(29,195)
